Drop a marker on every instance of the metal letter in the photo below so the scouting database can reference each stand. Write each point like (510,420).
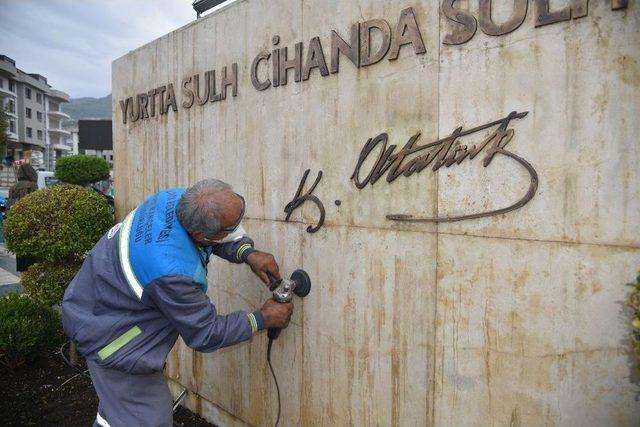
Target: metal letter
(214,96)
(124,106)
(160,91)
(264,55)
(407,32)
(134,114)
(469,24)
(544,17)
(143,100)
(315,59)
(229,81)
(196,88)
(299,199)
(351,51)
(366,56)
(619,4)
(186,93)
(579,8)
(490,28)
(171,99)
(152,98)
(287,64)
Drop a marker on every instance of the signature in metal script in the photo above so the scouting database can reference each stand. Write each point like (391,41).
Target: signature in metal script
(299,199)
(443,152)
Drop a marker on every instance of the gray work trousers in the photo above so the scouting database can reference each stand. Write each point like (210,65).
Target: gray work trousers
(128,400)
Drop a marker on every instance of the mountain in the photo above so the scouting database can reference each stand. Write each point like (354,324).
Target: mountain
(87,108)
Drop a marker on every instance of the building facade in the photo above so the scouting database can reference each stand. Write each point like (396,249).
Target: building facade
(35,116)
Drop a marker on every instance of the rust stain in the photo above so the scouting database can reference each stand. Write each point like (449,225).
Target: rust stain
(515,418)
(628,70)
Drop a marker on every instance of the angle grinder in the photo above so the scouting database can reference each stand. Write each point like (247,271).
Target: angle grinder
(284,289)
(282,292)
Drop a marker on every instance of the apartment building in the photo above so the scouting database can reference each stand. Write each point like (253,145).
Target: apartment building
(35,117)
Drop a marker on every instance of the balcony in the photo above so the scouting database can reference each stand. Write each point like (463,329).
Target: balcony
(62,146)
(58,95)
(57,114)
(57,131)
(4,92)
(11,114)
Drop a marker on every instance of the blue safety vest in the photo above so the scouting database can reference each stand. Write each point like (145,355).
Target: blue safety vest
(153,244)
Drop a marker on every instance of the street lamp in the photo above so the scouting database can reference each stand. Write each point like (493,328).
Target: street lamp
(201,6)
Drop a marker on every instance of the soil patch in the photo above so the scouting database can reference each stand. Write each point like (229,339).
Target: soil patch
(47,392)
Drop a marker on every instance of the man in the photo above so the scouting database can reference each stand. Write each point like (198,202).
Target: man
(144,283)
(27,183)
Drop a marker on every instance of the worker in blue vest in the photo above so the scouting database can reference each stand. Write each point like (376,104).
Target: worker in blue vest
(145,282)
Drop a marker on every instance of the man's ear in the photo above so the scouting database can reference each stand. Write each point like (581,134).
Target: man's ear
(197,236)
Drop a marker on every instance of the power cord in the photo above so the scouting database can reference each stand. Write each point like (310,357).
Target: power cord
(84,373)
(274,378)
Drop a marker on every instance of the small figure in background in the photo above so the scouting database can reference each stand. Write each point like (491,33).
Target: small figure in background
(27,183)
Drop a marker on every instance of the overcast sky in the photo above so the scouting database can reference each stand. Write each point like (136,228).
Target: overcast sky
(72,42)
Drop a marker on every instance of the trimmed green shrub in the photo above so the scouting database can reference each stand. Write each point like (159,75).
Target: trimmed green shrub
(45,282)
(81,169)
(57,223)
(26,328)
(634,302)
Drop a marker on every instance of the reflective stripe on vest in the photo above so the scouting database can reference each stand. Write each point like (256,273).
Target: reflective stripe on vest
(123,254)
(101,421)
(119,342)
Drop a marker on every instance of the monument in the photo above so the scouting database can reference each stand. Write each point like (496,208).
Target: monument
(459,179)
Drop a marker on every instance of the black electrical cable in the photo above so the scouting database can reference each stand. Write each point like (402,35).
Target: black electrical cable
(69,363)
(274,378)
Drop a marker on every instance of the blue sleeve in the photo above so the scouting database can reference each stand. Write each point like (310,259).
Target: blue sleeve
(236,252)
(195,318)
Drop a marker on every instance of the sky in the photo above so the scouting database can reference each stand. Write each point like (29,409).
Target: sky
(73,42)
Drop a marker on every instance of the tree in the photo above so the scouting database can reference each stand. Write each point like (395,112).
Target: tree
(81,169)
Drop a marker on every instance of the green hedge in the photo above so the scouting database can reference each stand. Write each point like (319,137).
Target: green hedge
(26,328)
(81,169)
(46,282)
(634,302)
(58,223)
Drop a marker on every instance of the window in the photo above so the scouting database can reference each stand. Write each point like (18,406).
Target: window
(12,86)
(39,114)
(28,113)
(1,83)
(40,135)
(29,133)
(27,92)
(12,126)
(39,98)
(12,106)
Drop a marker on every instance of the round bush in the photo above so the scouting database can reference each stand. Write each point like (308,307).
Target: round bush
(81,169)
(57,223)
(634,302)
(26,328)
(45,282)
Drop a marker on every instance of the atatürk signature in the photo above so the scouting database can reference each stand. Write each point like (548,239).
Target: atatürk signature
(443,152)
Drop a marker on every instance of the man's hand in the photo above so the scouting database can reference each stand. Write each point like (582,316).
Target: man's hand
(261,263)
(275,314)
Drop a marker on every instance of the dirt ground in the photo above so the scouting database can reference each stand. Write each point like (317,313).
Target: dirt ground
(37,395)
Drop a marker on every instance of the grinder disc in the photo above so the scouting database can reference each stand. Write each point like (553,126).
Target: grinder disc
(303,283)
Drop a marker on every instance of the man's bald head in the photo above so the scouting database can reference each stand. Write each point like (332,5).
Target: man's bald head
(208,206)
